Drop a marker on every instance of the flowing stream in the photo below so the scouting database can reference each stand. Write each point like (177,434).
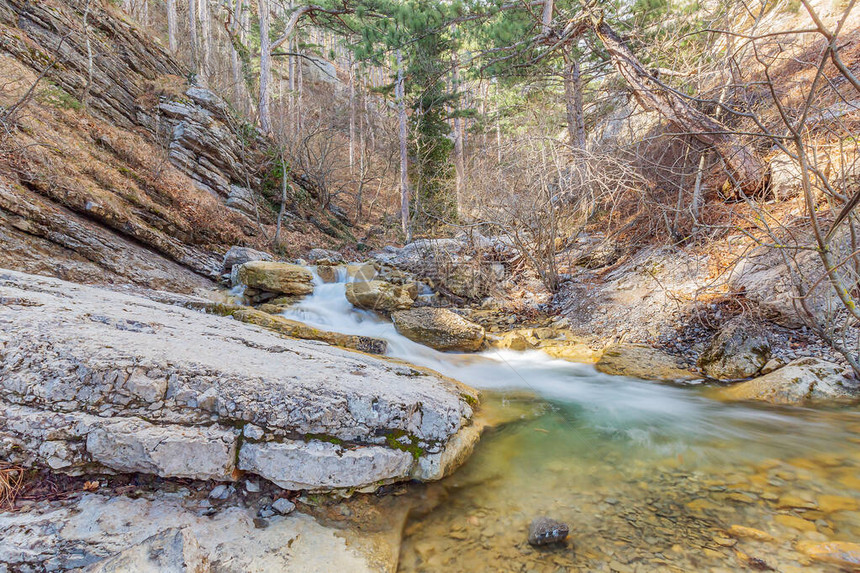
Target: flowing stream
(650,477)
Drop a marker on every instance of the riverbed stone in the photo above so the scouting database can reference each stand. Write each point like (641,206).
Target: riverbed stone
(842,553)
(380,296)
(439,328)
(739,350)
(274,277)
(640,361)
(802,381)
(545,531)
(283,506)
(297,329)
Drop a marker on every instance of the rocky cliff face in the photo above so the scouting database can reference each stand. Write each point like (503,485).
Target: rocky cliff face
(125,174)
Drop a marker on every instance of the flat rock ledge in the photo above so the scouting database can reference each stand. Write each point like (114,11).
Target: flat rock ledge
(98,381)
(171,532)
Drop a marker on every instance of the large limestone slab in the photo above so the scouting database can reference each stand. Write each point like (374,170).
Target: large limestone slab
(77,359)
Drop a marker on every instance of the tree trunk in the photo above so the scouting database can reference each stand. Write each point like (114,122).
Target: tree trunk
(573,100)
(171,25)
(546,18)
(235,64)
(747,170)
(85,97)
(459,163)
(192,32)
(351,116)
(265,66)
(404,174)
(206,37)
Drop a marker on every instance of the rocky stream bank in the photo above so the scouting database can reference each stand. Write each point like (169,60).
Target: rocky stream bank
(219,419)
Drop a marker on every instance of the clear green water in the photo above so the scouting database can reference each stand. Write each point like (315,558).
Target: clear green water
(655,492)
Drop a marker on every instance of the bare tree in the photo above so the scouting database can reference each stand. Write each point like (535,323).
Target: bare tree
(400,94)
(171,25)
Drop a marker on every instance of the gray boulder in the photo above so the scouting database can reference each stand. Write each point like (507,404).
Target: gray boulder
(439,328)
(739,350)
(325,255)
(241,255)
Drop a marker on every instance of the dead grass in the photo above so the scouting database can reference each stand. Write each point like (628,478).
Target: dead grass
(11,484)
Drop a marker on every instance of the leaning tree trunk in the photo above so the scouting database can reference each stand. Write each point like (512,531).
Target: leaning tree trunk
(745,167)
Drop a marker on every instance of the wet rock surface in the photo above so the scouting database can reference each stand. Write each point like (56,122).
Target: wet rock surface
(238,256)
(380,296)
(439,328)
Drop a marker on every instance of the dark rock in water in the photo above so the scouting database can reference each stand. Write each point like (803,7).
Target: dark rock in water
(544,531)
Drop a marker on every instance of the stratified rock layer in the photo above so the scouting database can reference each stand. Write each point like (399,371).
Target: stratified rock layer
(95,380)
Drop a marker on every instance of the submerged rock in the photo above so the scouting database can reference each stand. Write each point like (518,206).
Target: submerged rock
(739,350)
(544,531)
(380,296)
(97,380)
(843,553)
(644,362)
(801,381)
(439,328)
(272,277)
